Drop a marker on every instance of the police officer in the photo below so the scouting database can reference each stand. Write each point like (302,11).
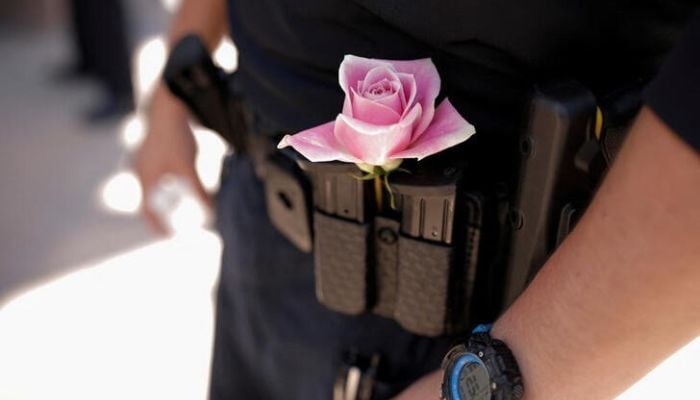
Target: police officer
(618,296)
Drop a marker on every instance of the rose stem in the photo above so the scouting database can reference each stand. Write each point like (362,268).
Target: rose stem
(379,193)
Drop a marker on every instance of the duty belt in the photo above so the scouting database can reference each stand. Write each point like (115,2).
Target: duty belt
(423,262)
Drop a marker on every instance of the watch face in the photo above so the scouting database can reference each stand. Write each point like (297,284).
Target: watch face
(470,379)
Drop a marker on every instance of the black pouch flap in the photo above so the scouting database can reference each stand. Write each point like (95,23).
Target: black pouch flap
(287,197)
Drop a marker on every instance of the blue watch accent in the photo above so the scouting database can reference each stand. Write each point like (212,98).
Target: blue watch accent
(483,328)
(463,360)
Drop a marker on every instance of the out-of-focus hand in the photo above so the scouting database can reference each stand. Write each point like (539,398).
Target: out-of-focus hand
(168,149)
(426,388)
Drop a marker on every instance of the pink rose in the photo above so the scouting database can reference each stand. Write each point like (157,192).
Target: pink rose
(389,114)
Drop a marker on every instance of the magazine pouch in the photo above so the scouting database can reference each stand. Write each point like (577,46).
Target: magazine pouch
(341,237)
(437,253)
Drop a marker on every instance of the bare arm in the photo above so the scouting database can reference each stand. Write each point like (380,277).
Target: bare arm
(206,18)
(169,146)
(621,293)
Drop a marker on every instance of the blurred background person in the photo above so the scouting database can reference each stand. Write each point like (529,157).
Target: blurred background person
(99,33)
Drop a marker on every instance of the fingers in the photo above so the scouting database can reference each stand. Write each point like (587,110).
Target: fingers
(149,214)
(148,178)
(152,184)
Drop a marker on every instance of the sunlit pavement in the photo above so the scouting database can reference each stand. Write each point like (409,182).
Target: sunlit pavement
(135,326)
(118,313)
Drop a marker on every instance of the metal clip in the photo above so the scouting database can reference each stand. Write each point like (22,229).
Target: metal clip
(356,377)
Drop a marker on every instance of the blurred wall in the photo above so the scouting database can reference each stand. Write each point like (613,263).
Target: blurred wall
(31,14)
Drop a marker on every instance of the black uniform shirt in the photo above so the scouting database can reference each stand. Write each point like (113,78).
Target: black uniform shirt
(675,92)
(488,53)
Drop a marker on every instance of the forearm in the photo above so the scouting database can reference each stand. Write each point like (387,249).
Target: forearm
(621,293)
(206,18)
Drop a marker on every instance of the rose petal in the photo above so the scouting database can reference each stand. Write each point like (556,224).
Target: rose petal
(354,69)
(447,129)
(408,86)
(318,144)
(381,89)
(373,112)
(347,105)
(373,144)
(378,74)
(428,84)
(393,101)
(383,76)
(391,98)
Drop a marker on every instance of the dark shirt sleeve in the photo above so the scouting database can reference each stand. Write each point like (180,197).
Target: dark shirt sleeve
(674,94)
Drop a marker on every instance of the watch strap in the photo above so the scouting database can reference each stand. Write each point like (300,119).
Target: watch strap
(506,380)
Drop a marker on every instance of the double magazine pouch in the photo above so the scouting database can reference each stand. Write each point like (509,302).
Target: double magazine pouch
(414,263)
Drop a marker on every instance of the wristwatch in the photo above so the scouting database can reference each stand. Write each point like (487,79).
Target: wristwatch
(483,368)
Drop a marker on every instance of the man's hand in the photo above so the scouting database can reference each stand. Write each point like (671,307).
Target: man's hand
(168,149)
